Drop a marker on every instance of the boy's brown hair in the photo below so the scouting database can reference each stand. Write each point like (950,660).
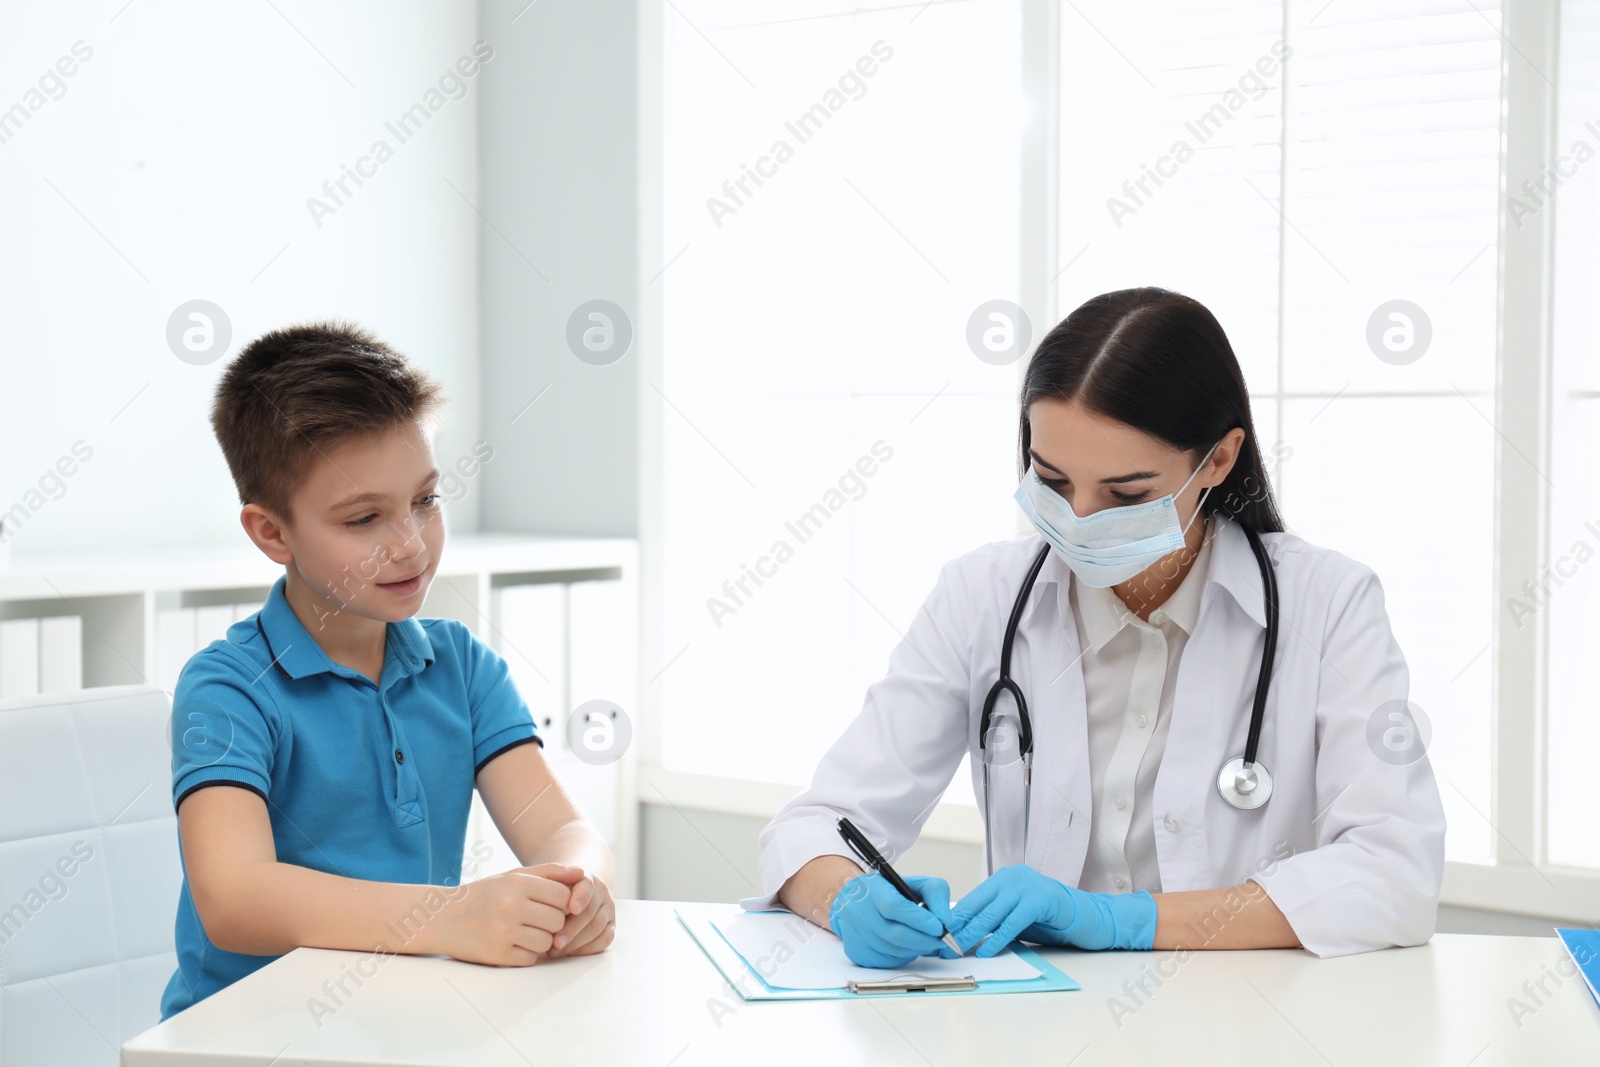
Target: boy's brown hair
(295,393)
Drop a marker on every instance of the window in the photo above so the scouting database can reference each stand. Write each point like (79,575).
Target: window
(1299,213)
(840,194)
(1565,591)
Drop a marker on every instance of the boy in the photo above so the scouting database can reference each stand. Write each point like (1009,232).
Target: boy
(325,752)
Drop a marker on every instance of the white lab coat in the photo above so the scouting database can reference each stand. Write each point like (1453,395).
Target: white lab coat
(1350,847)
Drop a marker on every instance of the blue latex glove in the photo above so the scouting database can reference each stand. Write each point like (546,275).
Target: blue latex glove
(1018,901)
(881,928)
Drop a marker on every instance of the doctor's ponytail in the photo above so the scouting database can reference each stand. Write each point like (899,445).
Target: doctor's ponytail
(1160,362)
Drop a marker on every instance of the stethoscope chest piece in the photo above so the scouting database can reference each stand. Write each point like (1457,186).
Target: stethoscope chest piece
(1244,788)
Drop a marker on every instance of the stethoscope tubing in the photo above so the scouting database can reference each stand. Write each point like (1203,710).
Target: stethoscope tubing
(1006,684)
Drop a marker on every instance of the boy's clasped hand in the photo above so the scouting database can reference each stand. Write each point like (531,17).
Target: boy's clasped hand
(512,919)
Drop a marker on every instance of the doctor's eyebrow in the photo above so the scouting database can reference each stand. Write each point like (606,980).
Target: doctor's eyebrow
(1136,476)
(371,498)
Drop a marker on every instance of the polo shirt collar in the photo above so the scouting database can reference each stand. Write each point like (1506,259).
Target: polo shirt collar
(1225,561)
(297,654)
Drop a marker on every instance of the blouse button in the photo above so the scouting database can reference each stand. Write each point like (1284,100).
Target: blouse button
(1171,823)
(399,757)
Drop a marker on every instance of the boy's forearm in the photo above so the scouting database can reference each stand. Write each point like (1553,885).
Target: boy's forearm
(575,843)
(273,908)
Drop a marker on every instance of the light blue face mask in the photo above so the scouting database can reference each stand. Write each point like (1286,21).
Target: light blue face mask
(1113,544)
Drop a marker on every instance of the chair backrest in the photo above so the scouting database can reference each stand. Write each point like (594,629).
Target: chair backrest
(89,872)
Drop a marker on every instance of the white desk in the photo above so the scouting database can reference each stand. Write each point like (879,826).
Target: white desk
(648,1000)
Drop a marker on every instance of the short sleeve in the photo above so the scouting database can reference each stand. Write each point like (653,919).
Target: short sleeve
(223,729)
(500,717)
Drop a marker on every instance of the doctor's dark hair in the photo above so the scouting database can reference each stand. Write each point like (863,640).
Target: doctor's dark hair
(1158,361)
(295,393)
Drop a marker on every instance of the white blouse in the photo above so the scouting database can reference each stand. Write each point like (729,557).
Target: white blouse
(1130,672)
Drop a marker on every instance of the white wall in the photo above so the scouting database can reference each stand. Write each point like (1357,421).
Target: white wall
(176,164)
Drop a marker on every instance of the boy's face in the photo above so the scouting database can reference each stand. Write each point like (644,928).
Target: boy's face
(366,518)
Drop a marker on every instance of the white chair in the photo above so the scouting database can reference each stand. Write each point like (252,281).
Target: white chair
(89,873)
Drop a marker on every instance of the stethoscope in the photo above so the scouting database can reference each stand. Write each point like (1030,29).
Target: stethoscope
(1242,781)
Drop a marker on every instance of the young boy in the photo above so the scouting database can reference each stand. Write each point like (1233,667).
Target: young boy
(343,736)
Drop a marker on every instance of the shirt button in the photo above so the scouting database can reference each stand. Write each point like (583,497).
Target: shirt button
(1121,882)
(1171,822)
(1122,802)
(399,757)
(1143,721)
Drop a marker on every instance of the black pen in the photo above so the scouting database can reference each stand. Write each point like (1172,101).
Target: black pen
(874,859)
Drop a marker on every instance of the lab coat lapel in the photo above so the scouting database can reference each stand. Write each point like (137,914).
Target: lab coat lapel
(1062,802)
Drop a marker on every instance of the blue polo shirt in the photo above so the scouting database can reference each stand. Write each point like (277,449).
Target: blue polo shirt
(367,780)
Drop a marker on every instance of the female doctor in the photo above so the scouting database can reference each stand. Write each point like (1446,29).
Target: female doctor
(1136,821)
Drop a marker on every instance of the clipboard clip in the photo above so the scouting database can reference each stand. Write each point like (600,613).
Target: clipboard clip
(913,983)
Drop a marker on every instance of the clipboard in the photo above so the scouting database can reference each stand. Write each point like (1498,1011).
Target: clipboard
(1584,948)
(748,983)
(914,983)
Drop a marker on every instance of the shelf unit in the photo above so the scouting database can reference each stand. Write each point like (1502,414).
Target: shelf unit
(501,586)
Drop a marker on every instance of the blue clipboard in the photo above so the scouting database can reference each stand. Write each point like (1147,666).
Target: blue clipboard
(1584,948)
(748,983)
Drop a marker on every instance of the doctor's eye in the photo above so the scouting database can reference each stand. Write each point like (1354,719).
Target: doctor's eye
(1128,498)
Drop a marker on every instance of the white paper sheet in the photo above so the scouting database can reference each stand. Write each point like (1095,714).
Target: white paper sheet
(790,953)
